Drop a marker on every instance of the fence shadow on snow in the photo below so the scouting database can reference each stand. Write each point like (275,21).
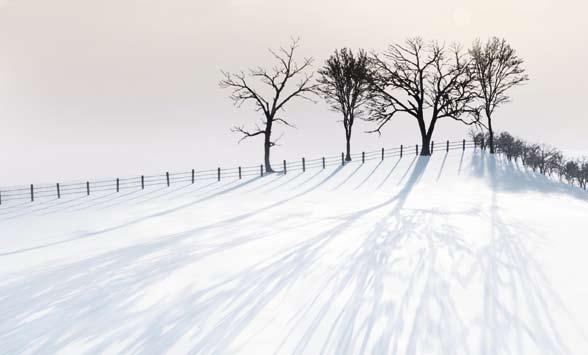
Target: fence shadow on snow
(404,244)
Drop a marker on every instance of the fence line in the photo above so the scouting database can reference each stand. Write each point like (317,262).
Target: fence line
(33,192)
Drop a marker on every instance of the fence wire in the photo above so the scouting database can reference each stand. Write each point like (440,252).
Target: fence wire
(57,190)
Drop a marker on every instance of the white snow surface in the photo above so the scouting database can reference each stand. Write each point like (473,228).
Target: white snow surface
(460,253)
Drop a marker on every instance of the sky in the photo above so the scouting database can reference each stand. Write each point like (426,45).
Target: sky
(95,89)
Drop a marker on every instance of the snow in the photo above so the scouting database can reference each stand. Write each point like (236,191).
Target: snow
(462,253)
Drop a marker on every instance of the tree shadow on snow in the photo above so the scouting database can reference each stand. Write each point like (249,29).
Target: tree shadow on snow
(95,294)
(507,176)
(100,301)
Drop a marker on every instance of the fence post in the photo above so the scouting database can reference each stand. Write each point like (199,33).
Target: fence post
(342,159)
(463,144)
(382,153)
(447,149)
(362,157)
(401,150)
(58,191)
(417,149)
(218,174)
(285,170)
(239,173)
(194,174)
(32,193)
(323,162)
(0,197)
(88,188)
(117,185)
(142,182)
(167,177)
(303,165)
(261,170)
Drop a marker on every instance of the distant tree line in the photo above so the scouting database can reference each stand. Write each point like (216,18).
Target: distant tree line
(428,82)
(540,158)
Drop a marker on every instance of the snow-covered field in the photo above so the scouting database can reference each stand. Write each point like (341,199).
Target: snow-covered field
(456,254)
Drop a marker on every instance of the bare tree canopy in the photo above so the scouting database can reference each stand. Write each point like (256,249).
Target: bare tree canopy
(497,69)
(416,77)
(278,90)
(344,84)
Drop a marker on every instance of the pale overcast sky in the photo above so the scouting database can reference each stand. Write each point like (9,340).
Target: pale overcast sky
(118,87)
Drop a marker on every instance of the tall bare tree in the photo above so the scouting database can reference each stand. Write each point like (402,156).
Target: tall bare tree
(497,69)
(344,84)
(415,78)
(277,91)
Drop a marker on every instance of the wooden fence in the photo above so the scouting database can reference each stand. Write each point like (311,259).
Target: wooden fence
(85,188)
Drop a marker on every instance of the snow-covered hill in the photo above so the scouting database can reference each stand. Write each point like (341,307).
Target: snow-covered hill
(460,253)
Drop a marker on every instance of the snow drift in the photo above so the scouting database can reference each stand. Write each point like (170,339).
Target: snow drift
(460,253)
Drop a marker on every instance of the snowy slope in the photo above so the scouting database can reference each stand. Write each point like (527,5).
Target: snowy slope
(456,254)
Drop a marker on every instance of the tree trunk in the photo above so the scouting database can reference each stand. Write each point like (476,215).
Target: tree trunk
(266,154)
(426,135)
(491,132)
(426,147)
(348,148)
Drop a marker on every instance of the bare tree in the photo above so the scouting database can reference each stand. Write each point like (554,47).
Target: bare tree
(414,78)
(551,160)
(584,173)
(506,142)
(344,84)
(498,68)
(279,91)
(571,171)
(532,156)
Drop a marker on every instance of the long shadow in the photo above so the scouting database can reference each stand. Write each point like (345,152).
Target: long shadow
(10,205)
(304,182)
(46,205)
(503,330)
(389,173)
(59,205)
(512,177)
(460,162)
(266,282)
(273,205)
(159,192)
(169,194)
(369,175)
(365,273)
(223,310)
(138,196)
(351,312)
(414,159)
(63,286)
(347,178)
(108,200)
(229,328)
(287,179)
(85,204)
(97,201)
(169,191)
(515,285)
(400,198)
(171,210)
(129,223)
(277,177)
(41,204)
(442,166)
